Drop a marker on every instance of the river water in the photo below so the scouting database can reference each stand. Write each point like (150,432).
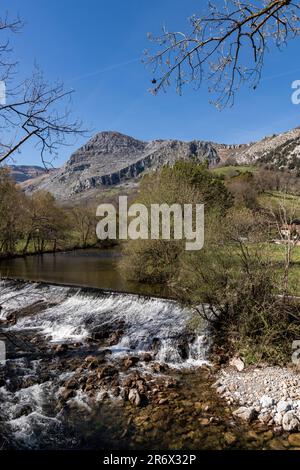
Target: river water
(113,367)
(88,268)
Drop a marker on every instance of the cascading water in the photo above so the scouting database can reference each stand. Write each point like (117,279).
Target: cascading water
(69,315)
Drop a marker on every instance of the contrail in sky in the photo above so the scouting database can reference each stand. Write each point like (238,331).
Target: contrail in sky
(105,69)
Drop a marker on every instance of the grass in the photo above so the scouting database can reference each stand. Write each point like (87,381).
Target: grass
(231,171)
(271,200)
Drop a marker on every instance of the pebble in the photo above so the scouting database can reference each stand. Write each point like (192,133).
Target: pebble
(270,393)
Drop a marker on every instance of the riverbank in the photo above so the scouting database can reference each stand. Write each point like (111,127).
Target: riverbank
(268,394)
(67,249)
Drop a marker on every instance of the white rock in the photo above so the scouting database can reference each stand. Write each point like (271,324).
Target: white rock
(221,389)
(245,413)
(266,401)
(278,419)
(290,422)
(238,363)
(283,406)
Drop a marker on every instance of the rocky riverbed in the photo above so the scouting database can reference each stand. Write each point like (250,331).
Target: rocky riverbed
(266,394)
(94,370)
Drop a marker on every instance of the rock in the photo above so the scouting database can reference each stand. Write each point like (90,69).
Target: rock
(294,440)
(198,406)
(290,422)
(66,394)
(157,367)
(264,418)
(60,348)
(106,371)
(204,421)
(238,363)
(245,413)
(130,361)
(146,357)
(221,389)
(268,435)
(266,401)
(278,419)
(22,410)
(163,401)
(134,397)
(283,406)
(276,444)
(119,158)
(71,383)
(230,438)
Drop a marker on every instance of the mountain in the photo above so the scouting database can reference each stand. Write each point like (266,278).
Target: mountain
(280,151)
(21,173)
(111,158)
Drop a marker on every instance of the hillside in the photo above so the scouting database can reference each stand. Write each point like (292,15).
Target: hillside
(111,158)
(280,151)
(21,173)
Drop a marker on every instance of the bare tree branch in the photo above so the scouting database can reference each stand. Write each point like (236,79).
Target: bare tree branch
(227,47)
(34,109)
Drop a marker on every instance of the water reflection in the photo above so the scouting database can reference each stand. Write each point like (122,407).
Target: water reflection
(89,268)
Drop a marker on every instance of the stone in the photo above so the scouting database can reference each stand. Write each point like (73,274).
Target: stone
(290,422)
(245,413)
(283,406)
(294,440)
(276,444)
(157,367)
(204,421)
(146,357)
(66,394)
(278,419)
(266,401)
(22,410)
(134,397)
(238,363)
(230,438)
(107,371)
(130,361)
(71,383)
(221,389)
(163,401)
(264,418)
(60,348)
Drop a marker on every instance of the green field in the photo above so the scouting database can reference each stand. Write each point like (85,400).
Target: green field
(272,200)
(231,171)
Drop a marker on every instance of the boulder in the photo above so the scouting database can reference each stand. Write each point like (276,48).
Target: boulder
(266,401)
(290,422)
(294,440)
(134,397)
(238,363)
(130,361)
(283,406)
(246,413)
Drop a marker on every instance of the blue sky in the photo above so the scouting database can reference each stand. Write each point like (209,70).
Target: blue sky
(96,48)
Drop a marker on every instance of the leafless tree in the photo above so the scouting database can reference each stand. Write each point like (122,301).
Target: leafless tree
(226,47)
(284,220)
(34,109)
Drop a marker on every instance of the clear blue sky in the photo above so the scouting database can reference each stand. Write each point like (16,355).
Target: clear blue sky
(96,47)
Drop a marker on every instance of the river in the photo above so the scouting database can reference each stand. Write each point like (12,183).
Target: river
(85,268)
(106,368)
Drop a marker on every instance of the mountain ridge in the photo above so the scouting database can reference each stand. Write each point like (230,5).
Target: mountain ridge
(111,158)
